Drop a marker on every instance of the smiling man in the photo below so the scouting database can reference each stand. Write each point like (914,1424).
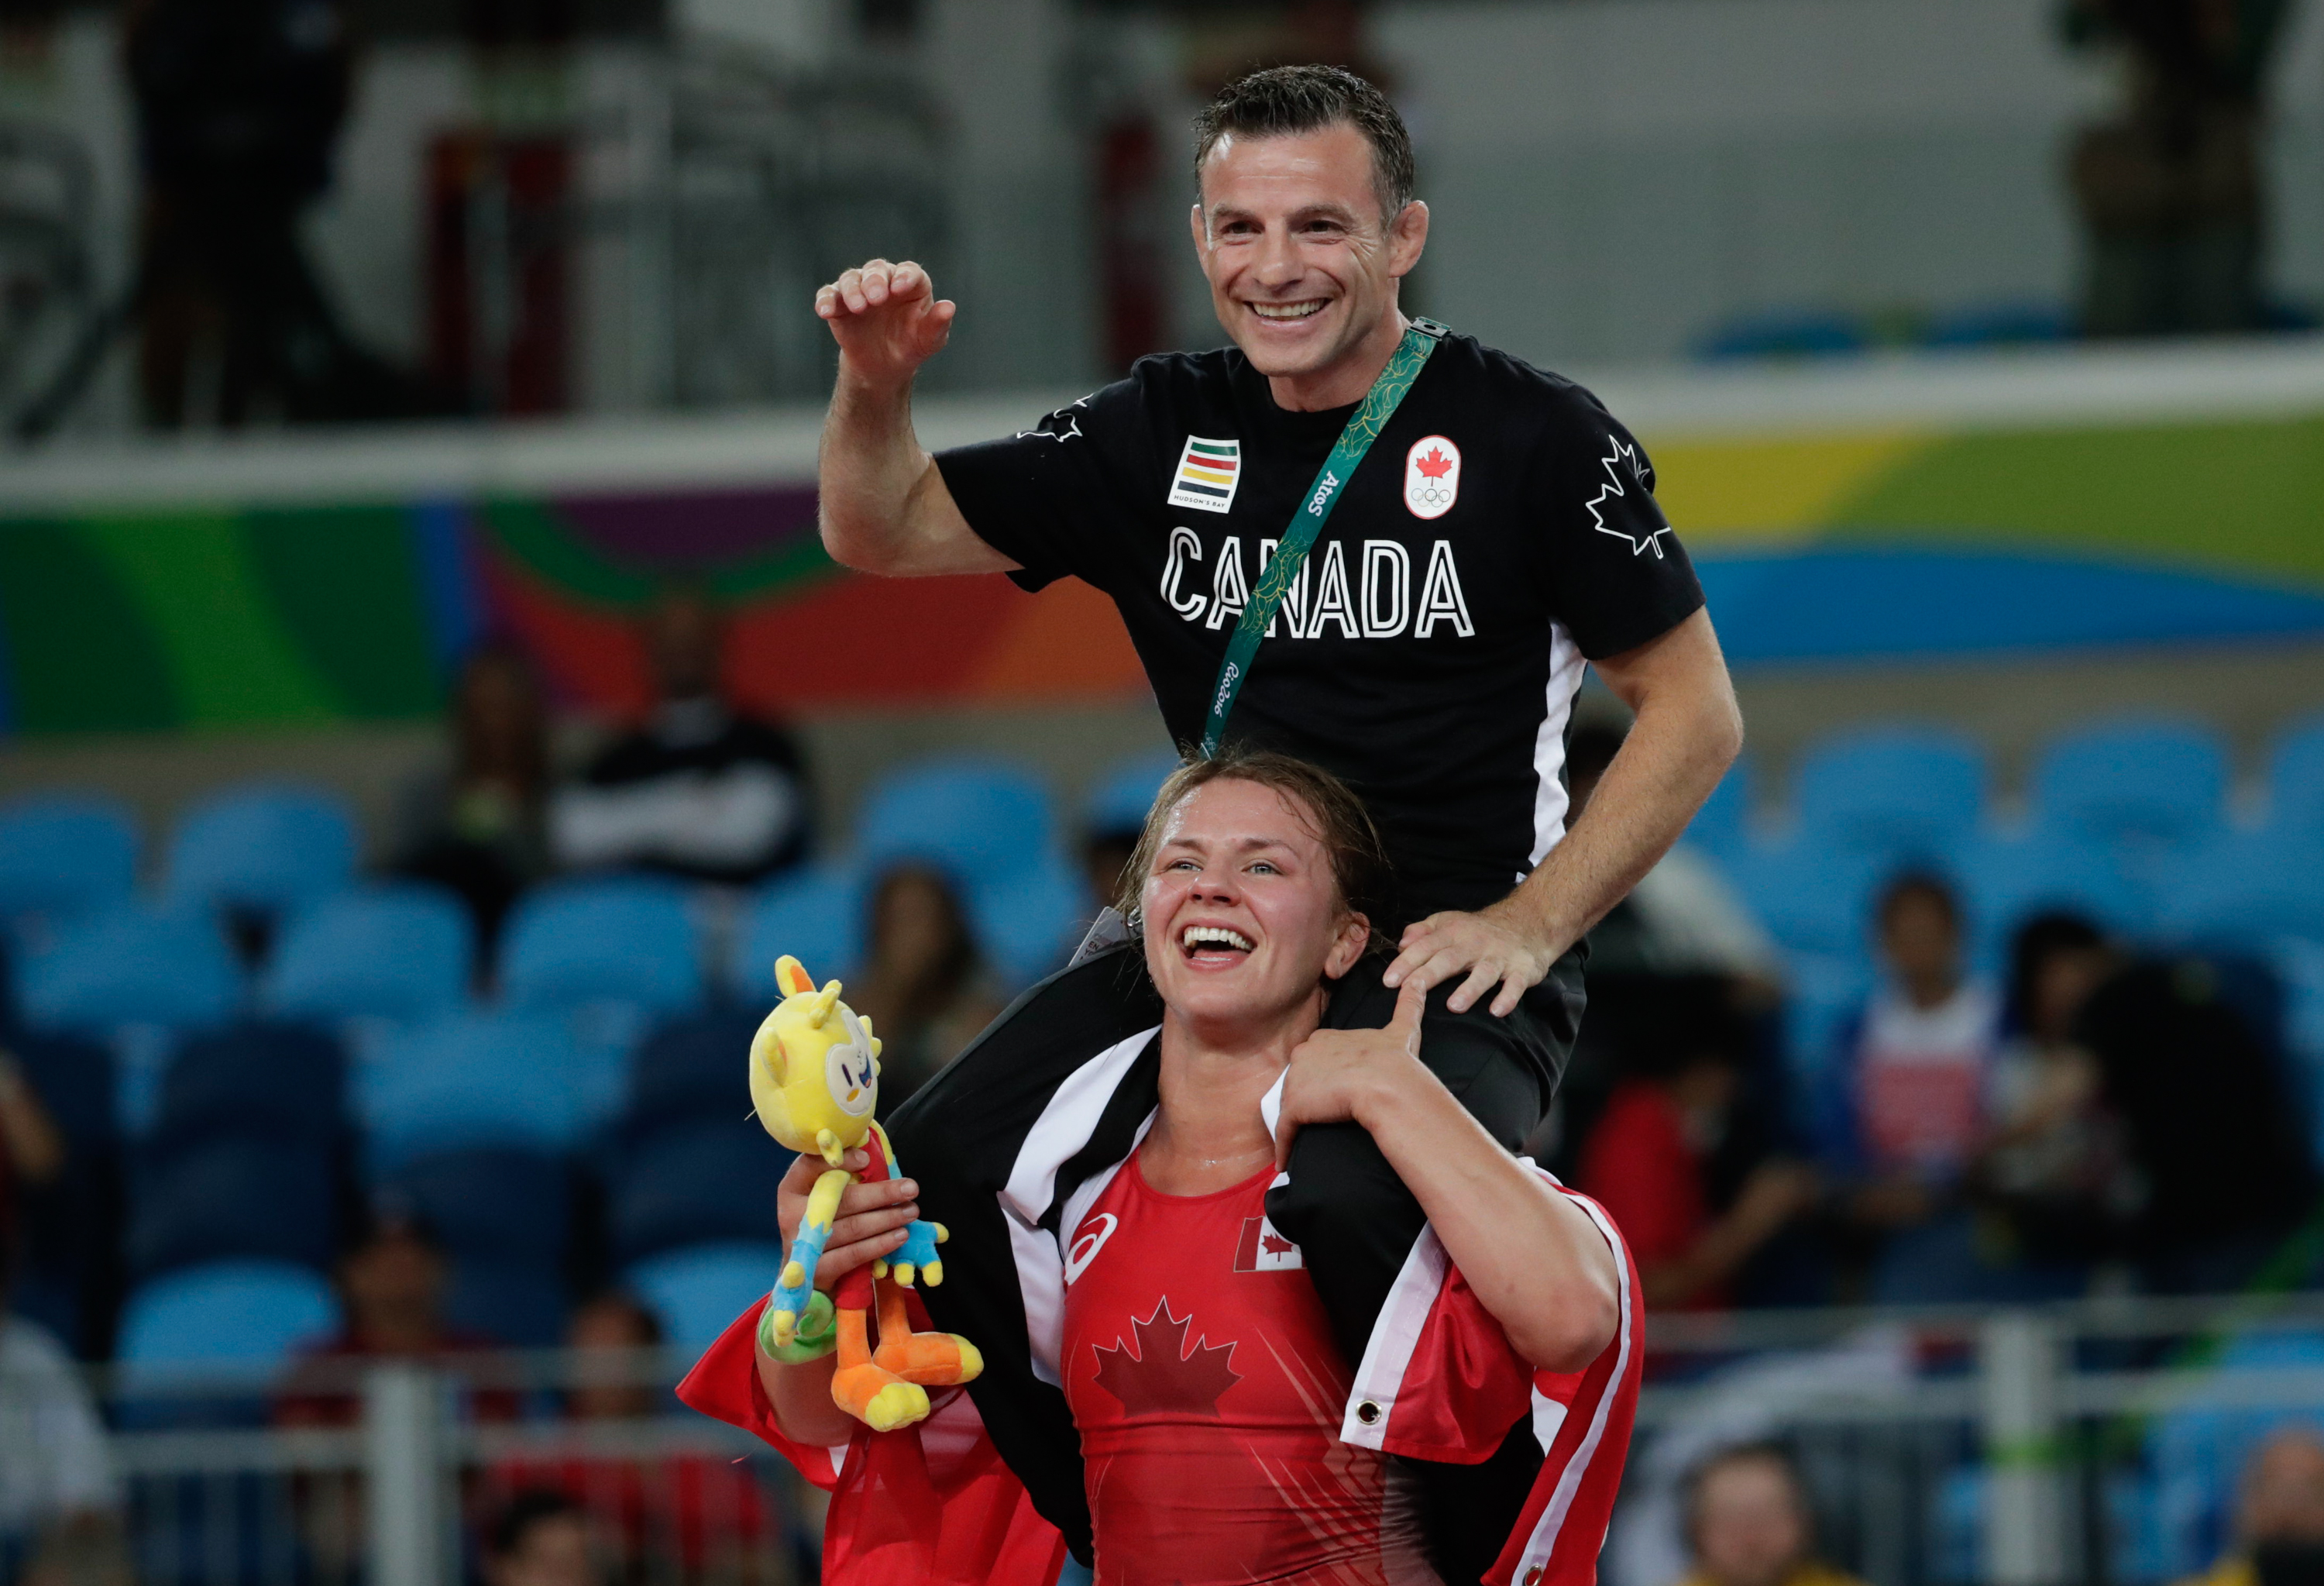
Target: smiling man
(1481,531)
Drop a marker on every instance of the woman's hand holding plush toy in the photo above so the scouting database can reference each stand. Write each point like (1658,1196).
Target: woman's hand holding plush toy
(871,1220)
(870,1228)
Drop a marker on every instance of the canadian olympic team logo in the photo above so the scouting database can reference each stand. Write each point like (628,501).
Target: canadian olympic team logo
(1431,476)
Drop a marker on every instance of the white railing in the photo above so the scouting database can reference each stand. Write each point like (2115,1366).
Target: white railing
(2010,1447)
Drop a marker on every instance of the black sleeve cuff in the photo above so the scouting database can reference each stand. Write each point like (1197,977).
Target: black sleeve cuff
(1642,625)
(983,482)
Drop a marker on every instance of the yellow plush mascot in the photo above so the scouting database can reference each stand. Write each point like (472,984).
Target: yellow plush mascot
(815,1077)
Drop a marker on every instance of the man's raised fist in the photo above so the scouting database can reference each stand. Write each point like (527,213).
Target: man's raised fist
(887,319)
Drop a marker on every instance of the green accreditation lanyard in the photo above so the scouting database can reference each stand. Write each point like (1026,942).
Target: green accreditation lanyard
(1364,427)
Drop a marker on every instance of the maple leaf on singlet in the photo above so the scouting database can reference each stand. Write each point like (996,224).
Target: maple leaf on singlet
(1164,1375)
(1275,1244)
(1435,464)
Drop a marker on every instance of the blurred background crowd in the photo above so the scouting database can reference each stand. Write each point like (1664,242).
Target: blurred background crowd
(426,711)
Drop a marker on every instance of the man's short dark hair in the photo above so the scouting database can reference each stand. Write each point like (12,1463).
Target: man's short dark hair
(1281,101)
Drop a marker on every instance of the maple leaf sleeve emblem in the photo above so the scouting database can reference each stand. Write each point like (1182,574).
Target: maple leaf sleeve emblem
(1163,1376)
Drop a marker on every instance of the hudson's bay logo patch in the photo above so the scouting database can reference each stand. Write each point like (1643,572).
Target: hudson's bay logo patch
(1431,476)
(1207,476)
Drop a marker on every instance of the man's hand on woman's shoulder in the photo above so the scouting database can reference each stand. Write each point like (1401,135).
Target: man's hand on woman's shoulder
(1495,946)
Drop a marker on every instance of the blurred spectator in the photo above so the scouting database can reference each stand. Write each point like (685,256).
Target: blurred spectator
(1107,848)
(2056,1169)
(239,105)
(699,789)
(708,1516)
(31,1153)
(2220,1149)
(478,829)
(1904,1113)
(1649,1160)
(606,1335)
(1748,1523)
(922,985)
(541,1539)
(2171,190)
(1682,918)
(391,1284)
(57,1490)
(2279,1537)
(91,1549)
(60,1187)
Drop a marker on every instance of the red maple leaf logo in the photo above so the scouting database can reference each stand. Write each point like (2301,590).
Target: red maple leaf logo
(1275,1244)
(1435,464)
(1164,1375)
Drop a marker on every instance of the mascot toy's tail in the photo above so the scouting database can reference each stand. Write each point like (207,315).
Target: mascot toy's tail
(815,1079)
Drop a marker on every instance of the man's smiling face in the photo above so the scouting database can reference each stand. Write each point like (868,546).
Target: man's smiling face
(1302,268)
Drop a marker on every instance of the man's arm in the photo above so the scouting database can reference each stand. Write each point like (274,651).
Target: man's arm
(881,500)
(1687,733)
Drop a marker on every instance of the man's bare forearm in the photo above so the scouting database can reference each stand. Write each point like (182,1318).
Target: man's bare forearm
(1687,733)
(870,464)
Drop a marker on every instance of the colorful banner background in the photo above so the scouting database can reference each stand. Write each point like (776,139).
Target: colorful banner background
(1817,549)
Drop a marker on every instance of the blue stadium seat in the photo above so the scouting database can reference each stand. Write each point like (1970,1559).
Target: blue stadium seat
(2295,778)
(268,1082)
(697,1292)
(1121,798)
(692,1070)
(1907,794)
(1825,993)
(263,846)
(506,1079)
(1999,324)
(630,940)
(1721,827)
(62,857)
(233,1198)
(496,1205)
(518,1306)
(2011,880)
(976,816)
(1811,898)
(1025,921)
(398,952)
(694,1182)
(2245,891)
(1785,333)
(815,914)
(240,1317)
(2133,780)
(505,1217)
(131,966)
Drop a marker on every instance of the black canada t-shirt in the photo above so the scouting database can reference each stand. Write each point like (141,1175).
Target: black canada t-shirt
(1501,530)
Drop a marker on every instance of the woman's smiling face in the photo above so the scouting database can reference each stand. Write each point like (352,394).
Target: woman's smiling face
(1243,916)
